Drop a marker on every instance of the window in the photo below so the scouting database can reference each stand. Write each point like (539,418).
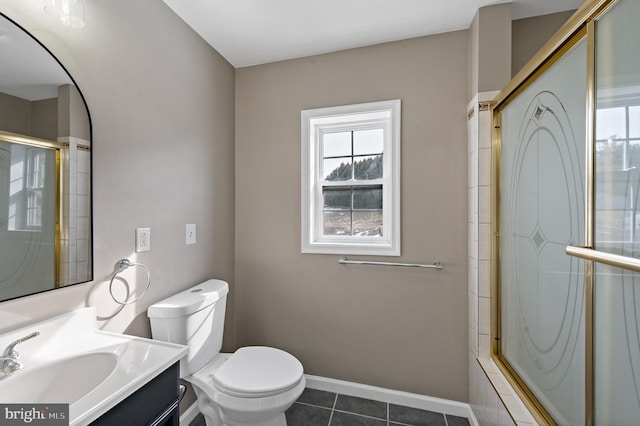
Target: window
(27,187)
(351,179)
(35,187)
(617,158)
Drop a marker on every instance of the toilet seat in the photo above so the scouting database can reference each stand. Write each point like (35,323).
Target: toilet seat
(258,372)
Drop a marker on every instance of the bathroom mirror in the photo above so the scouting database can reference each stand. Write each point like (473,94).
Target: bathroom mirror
(45,170)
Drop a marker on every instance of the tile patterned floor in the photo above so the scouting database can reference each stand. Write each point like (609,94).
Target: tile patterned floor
(320,408)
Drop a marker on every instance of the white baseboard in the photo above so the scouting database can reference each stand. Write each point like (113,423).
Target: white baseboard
(390,396)
(406,399)
(189,414)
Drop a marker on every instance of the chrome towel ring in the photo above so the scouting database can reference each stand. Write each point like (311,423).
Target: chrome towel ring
(122,265)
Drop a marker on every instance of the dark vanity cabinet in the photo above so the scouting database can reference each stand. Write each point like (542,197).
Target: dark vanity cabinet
(156,403)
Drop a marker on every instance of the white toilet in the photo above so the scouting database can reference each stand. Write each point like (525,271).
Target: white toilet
(253,386)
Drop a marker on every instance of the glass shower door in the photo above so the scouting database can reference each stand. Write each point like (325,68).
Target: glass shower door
(542,198)
(28,204)
(617,219)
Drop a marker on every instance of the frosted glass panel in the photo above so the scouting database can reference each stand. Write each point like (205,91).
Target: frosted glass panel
(617,346)
(617,180)
(28,189)
(542,211)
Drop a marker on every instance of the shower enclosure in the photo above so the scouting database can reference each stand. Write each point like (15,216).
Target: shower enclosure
(567,223)
(29,215)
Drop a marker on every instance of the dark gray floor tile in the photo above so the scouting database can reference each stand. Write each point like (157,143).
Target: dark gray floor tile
(317,397)
(457,421)
(415,417)
(346,419)
(307,415)
(367,407)
(198,421)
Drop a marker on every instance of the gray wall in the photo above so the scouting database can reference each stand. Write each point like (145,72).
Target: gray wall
(530,34)
(44,119)
(72,114)
(489,48)
(15,114)
(162,105)
(403,329)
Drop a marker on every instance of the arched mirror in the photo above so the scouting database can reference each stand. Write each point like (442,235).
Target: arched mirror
(45,170)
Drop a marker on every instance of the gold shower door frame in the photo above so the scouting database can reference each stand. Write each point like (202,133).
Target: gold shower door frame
(580,26)
(15,138)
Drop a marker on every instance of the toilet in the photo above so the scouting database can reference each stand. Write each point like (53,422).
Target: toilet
(252,386)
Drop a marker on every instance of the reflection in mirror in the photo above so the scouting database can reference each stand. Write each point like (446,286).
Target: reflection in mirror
(617,213)
(617,132)
(45,170)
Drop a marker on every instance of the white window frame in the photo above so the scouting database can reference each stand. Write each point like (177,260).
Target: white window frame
(315,122)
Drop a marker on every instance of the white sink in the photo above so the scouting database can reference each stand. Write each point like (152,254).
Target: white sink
(73,362)
(64,381)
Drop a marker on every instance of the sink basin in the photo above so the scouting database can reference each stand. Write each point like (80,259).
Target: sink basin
(72,362)
(62,381)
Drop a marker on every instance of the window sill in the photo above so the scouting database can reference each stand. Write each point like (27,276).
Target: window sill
(350,249)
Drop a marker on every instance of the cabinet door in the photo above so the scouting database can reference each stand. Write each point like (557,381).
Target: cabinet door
(148,404)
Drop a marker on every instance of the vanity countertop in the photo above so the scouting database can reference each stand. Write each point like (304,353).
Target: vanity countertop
(71,361)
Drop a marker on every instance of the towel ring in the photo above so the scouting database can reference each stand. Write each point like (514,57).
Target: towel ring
(123,264)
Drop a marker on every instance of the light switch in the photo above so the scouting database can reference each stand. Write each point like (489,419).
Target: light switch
(191,233)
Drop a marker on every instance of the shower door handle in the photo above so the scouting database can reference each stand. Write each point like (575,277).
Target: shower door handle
(588,253)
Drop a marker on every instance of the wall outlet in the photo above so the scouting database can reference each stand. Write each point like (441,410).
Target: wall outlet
(191,233)
(143,239)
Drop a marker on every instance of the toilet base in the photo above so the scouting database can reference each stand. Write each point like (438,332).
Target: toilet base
(212,417)
(279,420)
(249,412)
(221,409)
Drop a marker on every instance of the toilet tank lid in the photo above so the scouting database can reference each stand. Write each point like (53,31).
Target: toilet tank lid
(189,301)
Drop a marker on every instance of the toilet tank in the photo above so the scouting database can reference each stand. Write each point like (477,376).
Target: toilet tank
(193,317)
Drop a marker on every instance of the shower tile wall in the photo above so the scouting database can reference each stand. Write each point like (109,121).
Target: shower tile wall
(489,392)
(75,230)
(479,130)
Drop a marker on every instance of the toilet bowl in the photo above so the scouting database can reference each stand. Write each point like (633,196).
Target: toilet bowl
(253,386)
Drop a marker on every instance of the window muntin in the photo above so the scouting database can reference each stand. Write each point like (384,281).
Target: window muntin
(351,176)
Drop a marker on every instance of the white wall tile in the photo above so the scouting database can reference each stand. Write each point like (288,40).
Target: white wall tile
(473,169)
(484,345)
(516,408)
(484,241)
(484,315)
(485,129)
(484,400)
(84,162)
(484,204)
(473,311)
(83,185)
(504,419)
(499,383)
(484,166)
(473,280)
(83,207)
(82,271)
(82,250)
(82,226)
(484,278)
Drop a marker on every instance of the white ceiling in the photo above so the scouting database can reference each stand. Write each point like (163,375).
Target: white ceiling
(250,32)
